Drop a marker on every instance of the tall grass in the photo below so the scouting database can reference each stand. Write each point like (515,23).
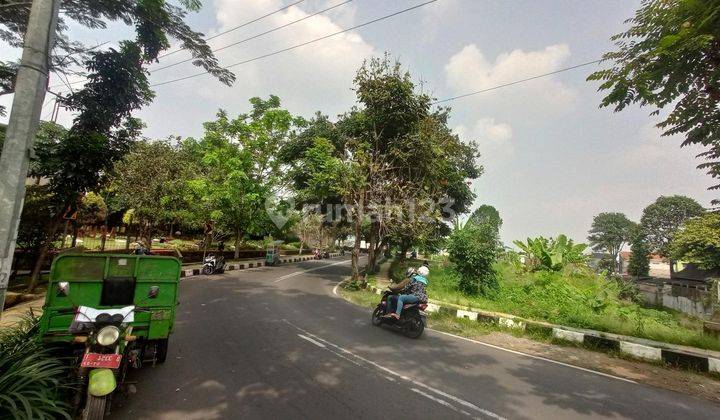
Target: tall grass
(574,297)
(32,382)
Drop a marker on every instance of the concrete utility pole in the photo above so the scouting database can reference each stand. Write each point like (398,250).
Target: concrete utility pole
(30,86)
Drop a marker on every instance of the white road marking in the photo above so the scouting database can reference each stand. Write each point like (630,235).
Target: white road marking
(439,401)
(297,273)
(335,289)
(317,343)
(398,375)
(607,375)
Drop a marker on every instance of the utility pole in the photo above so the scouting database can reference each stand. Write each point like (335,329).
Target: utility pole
(30,86)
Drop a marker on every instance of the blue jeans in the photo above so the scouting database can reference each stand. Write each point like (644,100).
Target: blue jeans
(390,303)
(405,299)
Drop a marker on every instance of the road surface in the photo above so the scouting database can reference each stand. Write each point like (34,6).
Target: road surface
(277,343)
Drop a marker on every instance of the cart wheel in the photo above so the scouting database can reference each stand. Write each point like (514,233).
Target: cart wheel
(161,350)
(95,408)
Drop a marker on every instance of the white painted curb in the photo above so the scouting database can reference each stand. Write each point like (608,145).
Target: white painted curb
(640,351)
(574,336)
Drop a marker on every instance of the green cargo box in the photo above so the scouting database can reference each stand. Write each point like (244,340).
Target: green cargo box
(105,281)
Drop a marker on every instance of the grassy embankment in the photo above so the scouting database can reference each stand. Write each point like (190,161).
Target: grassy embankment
(574,297)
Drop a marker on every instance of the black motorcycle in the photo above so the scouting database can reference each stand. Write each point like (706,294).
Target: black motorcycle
(213,264)
(412,319)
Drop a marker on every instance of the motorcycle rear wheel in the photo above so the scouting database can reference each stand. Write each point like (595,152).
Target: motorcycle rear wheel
(207,270)
(377,316)
(414,327)
(95,408)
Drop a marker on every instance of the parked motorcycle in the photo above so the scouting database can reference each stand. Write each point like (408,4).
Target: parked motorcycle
(110,349)
(213,264)
(412,319)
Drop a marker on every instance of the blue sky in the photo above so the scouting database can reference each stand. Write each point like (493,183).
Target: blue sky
(552,158)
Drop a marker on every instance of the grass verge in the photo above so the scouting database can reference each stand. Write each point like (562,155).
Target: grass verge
(575,297)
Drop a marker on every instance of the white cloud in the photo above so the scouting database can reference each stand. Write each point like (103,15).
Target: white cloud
(493,137)
(469,70)
(314,77)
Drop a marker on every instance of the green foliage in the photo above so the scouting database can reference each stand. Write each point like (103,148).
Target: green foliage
(92,209)
(473,248)
(661,220)
(152,180)
(609,233)
(551,254)
(699,241)
(670,57)
(573,297)
(639,264)
(31,380)
(486,214)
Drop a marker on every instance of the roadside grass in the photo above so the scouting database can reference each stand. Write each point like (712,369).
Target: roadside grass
(574,297)
(33,383)
(467,328)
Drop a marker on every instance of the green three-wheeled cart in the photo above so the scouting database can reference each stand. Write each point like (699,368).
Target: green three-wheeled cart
(111,312)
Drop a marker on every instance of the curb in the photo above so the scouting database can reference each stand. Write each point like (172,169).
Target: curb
(191,272)
(648,350)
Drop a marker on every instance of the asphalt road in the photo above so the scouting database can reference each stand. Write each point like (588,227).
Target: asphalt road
(277,343)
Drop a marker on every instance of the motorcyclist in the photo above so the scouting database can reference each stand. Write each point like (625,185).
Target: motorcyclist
(412,290)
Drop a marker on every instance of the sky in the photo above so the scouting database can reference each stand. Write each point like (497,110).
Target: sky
(552,158)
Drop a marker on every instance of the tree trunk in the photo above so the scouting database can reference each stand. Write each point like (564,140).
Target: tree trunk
(40,260)
(370,266)
(75,234)
(103,239)
(356,251)
(301,246)
(237,244)
(672,267)
(127,237)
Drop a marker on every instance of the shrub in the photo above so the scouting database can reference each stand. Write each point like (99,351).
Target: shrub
(31,380)
(473,249)
(551,254)
(639,264)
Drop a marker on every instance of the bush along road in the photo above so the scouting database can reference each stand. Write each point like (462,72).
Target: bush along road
(276,342)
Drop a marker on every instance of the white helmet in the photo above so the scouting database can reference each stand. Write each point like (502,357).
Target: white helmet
(423,271)
(410,272)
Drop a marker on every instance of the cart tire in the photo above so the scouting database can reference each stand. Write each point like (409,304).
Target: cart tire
(95,407)
(207,270)
(161,351)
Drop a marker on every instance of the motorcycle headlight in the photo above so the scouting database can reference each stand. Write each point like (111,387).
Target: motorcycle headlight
(107,336)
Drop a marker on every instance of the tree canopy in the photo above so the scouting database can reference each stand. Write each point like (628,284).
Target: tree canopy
(670,58)
(610,232)
(699,241)
(662,219)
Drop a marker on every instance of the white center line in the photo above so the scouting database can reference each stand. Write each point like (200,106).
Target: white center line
(297,273)
(350,354)
(317,343)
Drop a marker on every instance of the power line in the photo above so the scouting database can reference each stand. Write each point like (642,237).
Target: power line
(206,39)
(256,36)
(237,27)
(301,44)
(516,82)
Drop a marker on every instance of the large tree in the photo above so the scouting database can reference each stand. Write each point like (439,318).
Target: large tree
(487,214)
(152,180)
(609,233)
(670,58)
(661,220)
(699,241)
(240,170)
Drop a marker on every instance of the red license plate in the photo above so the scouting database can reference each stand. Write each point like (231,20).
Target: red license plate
(95,360)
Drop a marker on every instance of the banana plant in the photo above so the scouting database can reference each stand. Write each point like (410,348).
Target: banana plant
(551,254)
